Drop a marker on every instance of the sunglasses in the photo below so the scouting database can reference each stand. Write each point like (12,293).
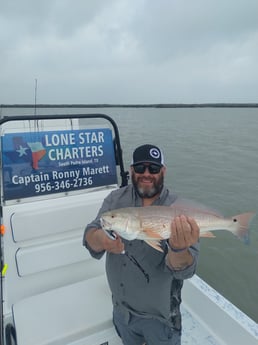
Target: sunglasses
(153,168)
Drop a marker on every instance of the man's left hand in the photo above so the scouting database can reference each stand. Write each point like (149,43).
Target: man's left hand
(184,232)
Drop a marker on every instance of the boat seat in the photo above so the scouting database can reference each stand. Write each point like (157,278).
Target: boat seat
(62,316)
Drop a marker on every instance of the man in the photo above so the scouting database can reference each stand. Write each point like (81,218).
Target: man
(145,283)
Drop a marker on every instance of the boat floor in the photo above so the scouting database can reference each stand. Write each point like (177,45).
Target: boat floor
(208,318)
(194,333)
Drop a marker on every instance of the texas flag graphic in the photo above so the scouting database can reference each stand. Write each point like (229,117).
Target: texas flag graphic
(38,152)
(16,150)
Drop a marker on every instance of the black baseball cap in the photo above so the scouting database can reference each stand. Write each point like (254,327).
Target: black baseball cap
(148,154)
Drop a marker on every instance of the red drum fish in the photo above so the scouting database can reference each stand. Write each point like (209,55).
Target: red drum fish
(153,223)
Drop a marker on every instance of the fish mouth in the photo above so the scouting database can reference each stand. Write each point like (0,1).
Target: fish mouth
(105,224)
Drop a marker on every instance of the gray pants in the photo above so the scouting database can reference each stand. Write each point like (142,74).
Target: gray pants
(137,330)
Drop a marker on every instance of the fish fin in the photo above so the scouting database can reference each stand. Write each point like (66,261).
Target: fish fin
(184,206)
(154,244)
(152,234)
(207,234)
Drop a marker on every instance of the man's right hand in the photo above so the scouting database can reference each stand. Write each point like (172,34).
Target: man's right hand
(99,240)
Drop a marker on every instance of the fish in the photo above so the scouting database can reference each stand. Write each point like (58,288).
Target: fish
(152,224)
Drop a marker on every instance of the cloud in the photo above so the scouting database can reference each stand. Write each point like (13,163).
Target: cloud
(129,51)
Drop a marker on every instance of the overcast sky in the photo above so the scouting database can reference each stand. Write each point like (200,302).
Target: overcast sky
(128,51)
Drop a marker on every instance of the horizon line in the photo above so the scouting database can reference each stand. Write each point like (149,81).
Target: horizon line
(134,105)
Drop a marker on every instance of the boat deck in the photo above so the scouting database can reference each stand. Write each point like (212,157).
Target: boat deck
(209,318)
(196,332)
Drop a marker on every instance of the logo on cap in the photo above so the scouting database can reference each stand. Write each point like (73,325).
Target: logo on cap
(154,153)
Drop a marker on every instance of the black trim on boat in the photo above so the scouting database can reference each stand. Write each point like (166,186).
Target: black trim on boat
(10,335)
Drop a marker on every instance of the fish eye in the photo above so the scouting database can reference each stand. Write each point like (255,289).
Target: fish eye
(234,220)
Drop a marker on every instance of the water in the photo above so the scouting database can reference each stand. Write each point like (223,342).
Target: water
(211,156)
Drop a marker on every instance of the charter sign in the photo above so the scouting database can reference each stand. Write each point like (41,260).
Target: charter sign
(41,163)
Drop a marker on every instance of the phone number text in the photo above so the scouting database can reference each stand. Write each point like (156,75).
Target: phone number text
(63,185)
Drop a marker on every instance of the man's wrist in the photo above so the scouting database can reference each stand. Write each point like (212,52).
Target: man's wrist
(175,250)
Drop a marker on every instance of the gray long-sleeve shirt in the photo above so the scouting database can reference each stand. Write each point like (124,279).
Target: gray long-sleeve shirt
(132,292)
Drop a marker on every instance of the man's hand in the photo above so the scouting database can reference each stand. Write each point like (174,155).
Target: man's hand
(99,241)
(112,245)
(184,232)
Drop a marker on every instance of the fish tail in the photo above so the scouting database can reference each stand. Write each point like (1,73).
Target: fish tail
(241,228)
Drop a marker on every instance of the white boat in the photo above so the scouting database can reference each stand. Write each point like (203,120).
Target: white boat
(52,291)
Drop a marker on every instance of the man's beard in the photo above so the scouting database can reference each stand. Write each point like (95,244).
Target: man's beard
(146,192)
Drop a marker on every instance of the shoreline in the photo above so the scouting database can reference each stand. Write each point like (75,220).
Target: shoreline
(157,105)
